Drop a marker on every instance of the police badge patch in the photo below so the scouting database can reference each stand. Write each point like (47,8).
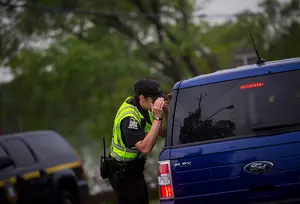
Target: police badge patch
(133,124)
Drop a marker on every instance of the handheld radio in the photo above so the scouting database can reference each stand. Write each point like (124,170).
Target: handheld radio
(104,168)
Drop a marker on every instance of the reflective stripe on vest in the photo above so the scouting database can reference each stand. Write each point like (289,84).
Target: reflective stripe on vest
(118,149)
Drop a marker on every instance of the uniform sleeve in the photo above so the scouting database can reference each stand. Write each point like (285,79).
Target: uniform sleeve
(131,131)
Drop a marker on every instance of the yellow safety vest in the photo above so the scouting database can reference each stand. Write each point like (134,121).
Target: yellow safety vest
(117,148)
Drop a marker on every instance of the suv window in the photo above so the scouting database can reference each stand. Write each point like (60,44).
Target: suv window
(233,108)
(19,152)
(51,147)
(4,154)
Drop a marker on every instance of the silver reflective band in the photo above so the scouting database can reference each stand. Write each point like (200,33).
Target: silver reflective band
(135,110)
(125,107)
(124,149)
(121,158)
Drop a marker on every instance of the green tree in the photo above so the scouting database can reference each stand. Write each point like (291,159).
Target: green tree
(161,32)
(275,31)
(71,84)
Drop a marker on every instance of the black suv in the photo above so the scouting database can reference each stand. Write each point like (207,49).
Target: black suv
(40,167)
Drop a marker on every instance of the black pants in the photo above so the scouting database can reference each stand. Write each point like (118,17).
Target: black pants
(130,187)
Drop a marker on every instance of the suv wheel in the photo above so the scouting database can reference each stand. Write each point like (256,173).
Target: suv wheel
(67,201)
(67,197)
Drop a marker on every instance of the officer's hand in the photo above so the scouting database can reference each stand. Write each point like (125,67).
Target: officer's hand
(167,103)
(157,107)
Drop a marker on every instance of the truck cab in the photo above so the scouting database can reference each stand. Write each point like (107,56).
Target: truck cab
(233,137)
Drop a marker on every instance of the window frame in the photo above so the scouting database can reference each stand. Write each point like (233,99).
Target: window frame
(174,146)
(11,167)
(16,162)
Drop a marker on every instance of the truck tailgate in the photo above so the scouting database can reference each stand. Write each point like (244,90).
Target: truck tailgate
(216,172)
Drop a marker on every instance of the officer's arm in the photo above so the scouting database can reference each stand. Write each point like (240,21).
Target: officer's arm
(134,134)
(145,146)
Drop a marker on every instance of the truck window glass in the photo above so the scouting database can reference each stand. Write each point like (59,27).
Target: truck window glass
(52,148)
(233,108)
(19,152)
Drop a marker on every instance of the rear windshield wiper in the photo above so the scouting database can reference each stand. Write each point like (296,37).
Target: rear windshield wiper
(274,127)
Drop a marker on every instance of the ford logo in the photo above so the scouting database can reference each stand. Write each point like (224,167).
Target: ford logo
(258,167)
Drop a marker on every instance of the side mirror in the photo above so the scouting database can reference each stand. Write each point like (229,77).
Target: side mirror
(5,162)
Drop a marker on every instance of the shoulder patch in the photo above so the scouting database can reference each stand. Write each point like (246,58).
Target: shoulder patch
(133,124)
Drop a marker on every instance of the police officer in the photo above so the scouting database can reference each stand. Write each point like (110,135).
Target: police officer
(138,123)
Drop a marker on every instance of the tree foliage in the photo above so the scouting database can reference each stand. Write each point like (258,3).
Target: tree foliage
(275,30)
(75,61)
(71,84)
(161,32)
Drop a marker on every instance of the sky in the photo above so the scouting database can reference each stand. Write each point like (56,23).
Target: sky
(229,6)
(220,8)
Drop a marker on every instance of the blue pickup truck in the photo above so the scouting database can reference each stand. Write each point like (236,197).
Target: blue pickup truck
(234,137)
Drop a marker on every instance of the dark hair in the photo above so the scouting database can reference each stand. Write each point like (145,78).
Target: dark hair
(137,96)
(147,88)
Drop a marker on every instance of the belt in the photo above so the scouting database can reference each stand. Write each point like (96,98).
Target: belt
(135,166)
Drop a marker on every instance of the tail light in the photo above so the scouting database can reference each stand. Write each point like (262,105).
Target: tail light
(165,180)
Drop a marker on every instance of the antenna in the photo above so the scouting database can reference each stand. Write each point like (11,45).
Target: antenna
(104,152)
(259,61)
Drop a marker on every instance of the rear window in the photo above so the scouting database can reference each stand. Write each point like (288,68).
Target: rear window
(19,152)
(51,148)
(233,108)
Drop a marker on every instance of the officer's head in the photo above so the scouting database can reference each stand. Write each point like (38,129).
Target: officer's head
(146,91)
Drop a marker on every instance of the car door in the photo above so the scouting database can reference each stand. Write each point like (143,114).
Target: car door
(27,178)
